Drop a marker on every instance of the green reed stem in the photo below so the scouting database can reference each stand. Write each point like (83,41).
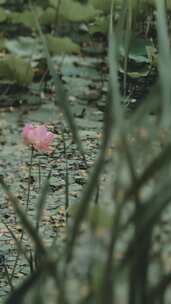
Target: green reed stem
(29,178)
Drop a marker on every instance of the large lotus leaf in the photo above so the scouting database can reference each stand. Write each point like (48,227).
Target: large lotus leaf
(26,17)
(143,72)
(15,69)
(138,49)
(74,11)
(49,16)
(59,46)
(100,25)
(25,47)
(103,5)
(3,15)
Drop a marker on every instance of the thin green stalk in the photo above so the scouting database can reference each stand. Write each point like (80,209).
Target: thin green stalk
(58,12)
(66,178)
(42,200)
(107,288)
(96,201)
(40,207)
(9,279)
(164,61)
(39,168)
(138,276)
(127,46)
(29,178)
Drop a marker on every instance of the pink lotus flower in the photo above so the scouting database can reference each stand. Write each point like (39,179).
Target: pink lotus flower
(39,137)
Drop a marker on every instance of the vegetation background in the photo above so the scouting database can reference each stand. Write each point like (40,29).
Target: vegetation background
(102,71)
